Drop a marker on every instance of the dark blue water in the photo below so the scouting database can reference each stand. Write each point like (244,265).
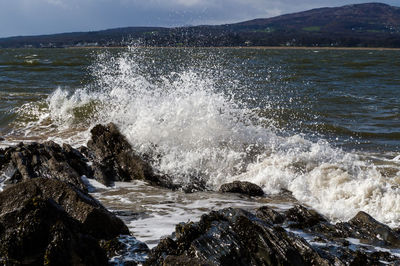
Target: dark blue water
(349,97)
(324,124)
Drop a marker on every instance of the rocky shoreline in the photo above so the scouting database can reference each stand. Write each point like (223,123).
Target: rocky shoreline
(48,217)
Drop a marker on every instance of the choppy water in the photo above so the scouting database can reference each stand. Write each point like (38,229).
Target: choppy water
(323,124)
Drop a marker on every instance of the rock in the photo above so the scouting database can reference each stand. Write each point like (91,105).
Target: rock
(26,161)
(113,247)
(39,232)
(242,187)
(237,237)
(233,237)
(369,226)
(369,231)
(126,250)
(301,217)
(269,215)
(115,160)
(92,216)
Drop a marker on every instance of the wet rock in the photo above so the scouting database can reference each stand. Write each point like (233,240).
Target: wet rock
(115,160)
(184,260)
(39,232)
(302,217)
(50,160)
(91,215)
(269,215)
(113,247)
(369,226)
(242,187)
(369,231)
(233,237)
(237,237)
(126,250)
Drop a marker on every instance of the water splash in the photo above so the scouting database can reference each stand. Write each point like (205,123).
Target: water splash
(193,129)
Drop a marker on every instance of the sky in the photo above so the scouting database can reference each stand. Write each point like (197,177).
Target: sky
(34,17)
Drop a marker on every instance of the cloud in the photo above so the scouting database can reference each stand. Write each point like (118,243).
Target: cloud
(59,3)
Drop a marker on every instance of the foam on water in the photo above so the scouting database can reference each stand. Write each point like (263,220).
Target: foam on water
(152,213)
(194,130)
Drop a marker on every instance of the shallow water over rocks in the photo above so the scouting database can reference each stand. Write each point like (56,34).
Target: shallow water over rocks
(152,212)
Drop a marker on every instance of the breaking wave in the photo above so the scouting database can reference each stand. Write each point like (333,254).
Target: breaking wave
(194,128)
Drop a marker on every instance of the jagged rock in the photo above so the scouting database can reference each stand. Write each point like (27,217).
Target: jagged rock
(301,217)
(125,250)
(237,237)
(334,245)
(369,231)
(26,161)
(115,160)
(242,187)
(113,247)
(92,216)
(39,232)
(233,237)
(269,215)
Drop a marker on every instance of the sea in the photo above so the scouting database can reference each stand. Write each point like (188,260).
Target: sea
(319,127)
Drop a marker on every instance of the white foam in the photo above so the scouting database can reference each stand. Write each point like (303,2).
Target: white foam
(356,243)
(195,130)
(156,211)
(92,184)
(336,183)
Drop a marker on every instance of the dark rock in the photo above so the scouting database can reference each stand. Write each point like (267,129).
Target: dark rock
(115,159)
(126,250)
(369,226)
(39,232)
(301,217)
(84,151)
(184,260)
(26,161)
(94,218)
(113,247)
(237,237)
(233,237)
(242,187)
(166,247)
(369,231)
(269,215)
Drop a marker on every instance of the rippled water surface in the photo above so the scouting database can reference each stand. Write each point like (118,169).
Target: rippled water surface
(322,124)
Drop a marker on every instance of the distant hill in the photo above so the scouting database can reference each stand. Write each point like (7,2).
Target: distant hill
(361,25)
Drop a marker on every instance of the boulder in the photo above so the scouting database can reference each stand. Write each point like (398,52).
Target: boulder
(91,215)
(115,160)
(369,231)
(233,237)
(26,161)
(125,250)
(302,217)
(237,237)
(39,232)
(331,241)
(269,215)
(242,187)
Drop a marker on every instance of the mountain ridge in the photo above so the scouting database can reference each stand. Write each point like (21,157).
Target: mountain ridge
(356,25)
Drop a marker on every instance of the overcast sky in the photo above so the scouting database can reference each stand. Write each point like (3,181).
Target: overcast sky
(32,17)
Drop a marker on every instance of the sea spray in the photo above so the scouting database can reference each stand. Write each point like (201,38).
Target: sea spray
(197,129)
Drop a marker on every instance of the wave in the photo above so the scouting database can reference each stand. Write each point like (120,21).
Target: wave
(194,129)
(340,130)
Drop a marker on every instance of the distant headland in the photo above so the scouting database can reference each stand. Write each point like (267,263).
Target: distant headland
(360,25)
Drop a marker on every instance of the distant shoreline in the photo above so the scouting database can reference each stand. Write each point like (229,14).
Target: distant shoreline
(242,47)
